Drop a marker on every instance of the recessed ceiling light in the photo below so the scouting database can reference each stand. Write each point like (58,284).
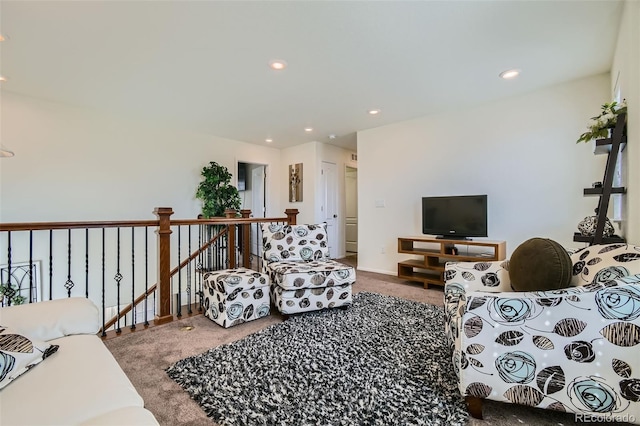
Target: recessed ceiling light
(268,140)
(374,111)
(308,129)
(509,74)
(278,64)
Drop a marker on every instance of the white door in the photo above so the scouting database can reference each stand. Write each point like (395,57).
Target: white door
(329,208)
(258,176)
(351,207)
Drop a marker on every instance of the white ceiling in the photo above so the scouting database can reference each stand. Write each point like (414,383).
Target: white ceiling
(203,65)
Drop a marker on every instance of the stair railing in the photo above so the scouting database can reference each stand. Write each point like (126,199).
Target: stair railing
(40,265)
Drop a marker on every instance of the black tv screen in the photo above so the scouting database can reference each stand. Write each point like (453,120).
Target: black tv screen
(461,216)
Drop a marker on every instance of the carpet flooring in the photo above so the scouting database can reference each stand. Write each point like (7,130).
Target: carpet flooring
(144,355)
(382,361)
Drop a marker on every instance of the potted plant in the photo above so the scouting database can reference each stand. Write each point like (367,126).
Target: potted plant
(599,125)
(216,192)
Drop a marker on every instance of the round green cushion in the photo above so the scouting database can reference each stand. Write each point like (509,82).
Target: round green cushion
(540,264)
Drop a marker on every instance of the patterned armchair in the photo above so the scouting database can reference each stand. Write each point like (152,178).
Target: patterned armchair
(303,277)
(575,350)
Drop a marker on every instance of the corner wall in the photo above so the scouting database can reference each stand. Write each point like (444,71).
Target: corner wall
(521,152)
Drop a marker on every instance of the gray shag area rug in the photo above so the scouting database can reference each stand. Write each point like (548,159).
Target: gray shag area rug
(382,361)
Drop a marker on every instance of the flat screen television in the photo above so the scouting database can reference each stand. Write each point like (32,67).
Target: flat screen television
(457,217)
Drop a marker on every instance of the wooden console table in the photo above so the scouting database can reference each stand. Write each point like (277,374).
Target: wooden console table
(435,252)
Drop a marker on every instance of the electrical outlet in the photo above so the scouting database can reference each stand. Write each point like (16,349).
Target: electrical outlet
(382,250)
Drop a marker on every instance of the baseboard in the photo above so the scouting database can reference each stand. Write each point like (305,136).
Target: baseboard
(378,271)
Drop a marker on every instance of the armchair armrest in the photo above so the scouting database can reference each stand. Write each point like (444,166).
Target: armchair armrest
(573,349)
(491,276)
(52,319)
(462,278)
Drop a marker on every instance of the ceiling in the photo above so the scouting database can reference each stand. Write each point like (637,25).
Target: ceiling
(202,66)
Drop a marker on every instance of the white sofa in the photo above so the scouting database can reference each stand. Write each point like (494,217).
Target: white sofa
(81,383)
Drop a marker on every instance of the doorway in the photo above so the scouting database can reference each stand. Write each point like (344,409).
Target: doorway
(351,208)
(253,197)
(329,207)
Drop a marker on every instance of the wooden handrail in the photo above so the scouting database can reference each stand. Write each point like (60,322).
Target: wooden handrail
(45,226)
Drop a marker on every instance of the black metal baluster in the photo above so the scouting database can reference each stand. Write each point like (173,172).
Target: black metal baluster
(104,284)
(86,262)
(51,264)
(69,284)
(199,269)
(133,280)
(179,278)
(32,297)
(210,252)
(146,275)
(9,292)
(118,278)
(189,272)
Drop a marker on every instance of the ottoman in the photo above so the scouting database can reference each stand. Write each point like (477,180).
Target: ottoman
(234,296)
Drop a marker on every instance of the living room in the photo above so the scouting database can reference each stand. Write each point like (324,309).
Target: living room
(96,162)
(81,162)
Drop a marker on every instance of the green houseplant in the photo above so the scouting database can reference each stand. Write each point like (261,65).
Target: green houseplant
(216,192)
(599,125)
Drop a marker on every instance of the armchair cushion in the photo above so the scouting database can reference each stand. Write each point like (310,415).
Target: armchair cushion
(316,274)
(540,264)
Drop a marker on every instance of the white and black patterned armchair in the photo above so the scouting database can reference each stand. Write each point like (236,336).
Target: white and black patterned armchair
(303,277)
(574,350)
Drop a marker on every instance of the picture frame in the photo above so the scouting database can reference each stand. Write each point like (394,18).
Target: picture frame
(24,281)
(295,183)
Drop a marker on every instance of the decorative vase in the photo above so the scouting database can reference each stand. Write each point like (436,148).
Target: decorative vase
(587,227)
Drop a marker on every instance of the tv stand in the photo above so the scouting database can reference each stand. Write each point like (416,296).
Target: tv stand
(435,252)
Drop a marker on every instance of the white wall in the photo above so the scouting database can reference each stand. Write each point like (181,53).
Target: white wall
(520,151)
(305,154)
(74,164)
(625,73)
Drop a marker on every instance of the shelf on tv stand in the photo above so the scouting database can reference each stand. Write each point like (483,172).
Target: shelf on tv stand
(435,252)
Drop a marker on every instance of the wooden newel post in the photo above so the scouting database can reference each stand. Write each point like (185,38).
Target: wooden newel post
(231,238)
(246,238)
(163,312)
(292,215)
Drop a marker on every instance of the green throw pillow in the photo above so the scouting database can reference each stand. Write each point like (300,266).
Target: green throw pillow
(540,264)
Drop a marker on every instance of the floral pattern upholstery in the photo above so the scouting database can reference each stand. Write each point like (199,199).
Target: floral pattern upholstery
(574,350)
(303,277)
(234,296)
